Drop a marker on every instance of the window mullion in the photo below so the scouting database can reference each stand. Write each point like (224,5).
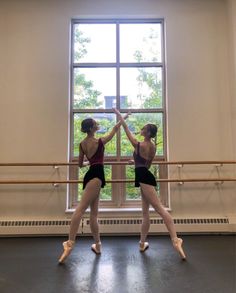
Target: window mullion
(118,191)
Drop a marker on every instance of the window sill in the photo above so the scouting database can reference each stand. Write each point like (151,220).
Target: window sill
(117,210)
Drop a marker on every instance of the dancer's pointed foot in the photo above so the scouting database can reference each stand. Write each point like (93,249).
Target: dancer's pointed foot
(143,246)
(177,243)
(96,247)
(68,246)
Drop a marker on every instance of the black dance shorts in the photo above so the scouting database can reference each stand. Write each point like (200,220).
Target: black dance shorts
(143,175)
(95,171)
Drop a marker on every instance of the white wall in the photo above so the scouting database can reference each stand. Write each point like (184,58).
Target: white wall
(34,89)
(232,60)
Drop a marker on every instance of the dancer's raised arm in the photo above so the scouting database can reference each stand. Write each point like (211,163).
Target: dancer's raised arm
(108,137)
(129,134)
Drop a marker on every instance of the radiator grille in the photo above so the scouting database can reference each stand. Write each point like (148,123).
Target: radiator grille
(160,221)
(39,223)
(35,223)
(114,226)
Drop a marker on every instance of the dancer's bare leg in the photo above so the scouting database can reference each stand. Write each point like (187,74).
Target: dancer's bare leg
(145,224)
(91,192)
(150,195)
(96,247)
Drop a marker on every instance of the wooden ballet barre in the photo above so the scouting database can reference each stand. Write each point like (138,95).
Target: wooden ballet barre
(36,164)
(118,163)
(61,164)
(193,162)
(114,181)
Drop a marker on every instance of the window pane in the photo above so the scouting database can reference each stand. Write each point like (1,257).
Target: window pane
(135,122)
(106,122)
(94,88)
(134,193)
(117,62)
(105,193)
(94,43)
(141,87)
(140,42)
(81,172)
(131,191)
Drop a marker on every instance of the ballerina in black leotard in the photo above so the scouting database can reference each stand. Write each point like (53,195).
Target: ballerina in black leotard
(144,154)
(94,180)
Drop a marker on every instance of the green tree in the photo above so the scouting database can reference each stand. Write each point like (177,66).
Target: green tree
(86,97)
(153,100)
(81,41)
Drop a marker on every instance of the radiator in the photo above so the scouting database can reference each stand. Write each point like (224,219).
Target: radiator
(112,226)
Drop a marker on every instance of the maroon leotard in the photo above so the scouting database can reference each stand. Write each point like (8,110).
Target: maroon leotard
(96,169)
(98,157)
(138,160)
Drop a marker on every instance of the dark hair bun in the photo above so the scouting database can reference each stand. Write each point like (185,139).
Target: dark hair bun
(152,129)
(86,125)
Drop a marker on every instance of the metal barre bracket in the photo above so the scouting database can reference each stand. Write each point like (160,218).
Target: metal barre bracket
(219,182)
(181,183)
(218,165)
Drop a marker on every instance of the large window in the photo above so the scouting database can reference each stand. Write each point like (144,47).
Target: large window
(117,63)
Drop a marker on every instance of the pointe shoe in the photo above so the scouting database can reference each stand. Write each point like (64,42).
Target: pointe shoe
(96,248)
(177,243)
(143,246)
(68,246)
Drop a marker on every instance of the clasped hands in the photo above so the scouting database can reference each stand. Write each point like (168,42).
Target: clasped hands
(119,114)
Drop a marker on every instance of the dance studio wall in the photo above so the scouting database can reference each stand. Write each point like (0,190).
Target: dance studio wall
(232,59)
(34,90)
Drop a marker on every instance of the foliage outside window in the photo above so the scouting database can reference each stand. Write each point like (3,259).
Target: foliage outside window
(117,63)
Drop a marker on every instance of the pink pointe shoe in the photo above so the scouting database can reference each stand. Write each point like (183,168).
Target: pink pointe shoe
(68,246)
(96,248)
(177,243)
(143,246)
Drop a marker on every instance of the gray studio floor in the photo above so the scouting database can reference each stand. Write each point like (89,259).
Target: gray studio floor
(30,265)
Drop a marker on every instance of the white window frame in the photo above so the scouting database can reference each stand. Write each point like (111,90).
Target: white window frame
(118,194)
